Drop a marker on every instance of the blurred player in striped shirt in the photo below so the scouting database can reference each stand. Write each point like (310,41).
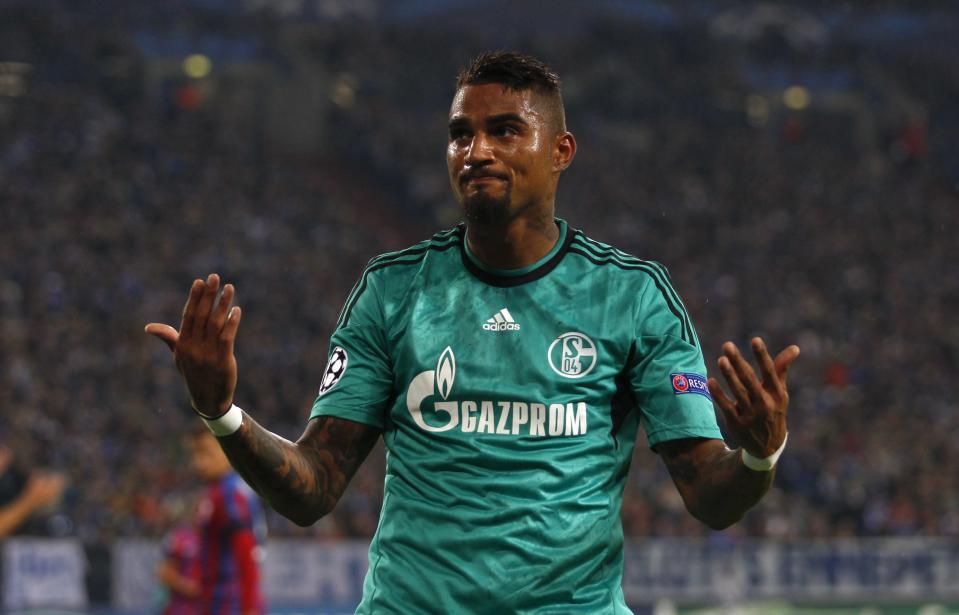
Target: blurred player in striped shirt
(179,570)
(230,530)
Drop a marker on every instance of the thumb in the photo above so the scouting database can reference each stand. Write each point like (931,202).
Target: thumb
(165,333)
(783,360)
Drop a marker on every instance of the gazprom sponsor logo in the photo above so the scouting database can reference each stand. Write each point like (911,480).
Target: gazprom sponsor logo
(427,399)
(445,372)
(687,382)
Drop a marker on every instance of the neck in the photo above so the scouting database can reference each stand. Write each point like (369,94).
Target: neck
(518,243)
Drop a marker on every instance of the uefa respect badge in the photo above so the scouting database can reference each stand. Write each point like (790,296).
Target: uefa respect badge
(686,382)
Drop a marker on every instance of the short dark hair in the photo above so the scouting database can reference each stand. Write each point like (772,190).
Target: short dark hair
(518,72)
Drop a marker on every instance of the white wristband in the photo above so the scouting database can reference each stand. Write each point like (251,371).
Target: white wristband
(763,465)
(226,423)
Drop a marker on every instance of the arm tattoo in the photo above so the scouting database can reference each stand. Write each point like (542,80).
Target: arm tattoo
(717,488)
(301,480)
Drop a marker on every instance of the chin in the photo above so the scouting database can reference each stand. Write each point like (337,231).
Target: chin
(485,209)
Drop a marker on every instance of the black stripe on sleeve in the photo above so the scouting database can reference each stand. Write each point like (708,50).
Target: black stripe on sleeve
(658,272)
(410,256)
(602,250)
(597,260)
(437,239)
(419,248)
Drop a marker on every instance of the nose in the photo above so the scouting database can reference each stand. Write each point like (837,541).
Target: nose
(479,152)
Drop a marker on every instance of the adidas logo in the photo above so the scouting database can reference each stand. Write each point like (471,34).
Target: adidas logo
(501,321)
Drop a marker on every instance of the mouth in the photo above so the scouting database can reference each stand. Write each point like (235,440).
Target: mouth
(482,179)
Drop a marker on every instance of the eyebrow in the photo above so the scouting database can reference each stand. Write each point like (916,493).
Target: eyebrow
(506,117)
(495,119)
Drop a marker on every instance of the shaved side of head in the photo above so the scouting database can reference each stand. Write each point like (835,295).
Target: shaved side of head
(519,72)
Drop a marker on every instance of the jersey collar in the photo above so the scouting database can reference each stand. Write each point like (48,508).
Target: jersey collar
(515,277)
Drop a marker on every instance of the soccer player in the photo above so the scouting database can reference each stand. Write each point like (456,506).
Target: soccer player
(230,530)
(179,571)
(508,364)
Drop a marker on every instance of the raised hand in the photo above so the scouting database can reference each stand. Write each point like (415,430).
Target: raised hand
(203,347)
(756,415)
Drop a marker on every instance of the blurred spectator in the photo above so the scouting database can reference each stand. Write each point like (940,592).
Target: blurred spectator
(179,569)
(20,498)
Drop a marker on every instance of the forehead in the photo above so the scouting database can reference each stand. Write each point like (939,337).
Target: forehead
(476,102)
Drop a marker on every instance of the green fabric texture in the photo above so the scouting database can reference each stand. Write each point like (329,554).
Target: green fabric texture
(510,403)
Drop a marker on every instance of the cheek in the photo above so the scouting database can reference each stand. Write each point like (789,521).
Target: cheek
(454,159)
(533,160)
(529,166)
(453,164)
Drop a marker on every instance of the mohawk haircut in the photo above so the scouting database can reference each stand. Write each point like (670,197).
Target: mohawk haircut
(518,72)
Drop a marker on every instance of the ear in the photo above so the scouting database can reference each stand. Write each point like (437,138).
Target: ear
(564,149)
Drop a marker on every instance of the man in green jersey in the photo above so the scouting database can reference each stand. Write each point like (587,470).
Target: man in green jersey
(508,364)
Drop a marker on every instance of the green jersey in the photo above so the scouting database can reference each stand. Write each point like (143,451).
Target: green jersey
(509,402)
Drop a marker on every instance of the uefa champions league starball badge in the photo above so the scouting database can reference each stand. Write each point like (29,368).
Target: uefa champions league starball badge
(335,369)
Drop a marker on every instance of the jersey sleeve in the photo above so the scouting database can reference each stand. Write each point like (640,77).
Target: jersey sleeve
(667,373)
(357,383)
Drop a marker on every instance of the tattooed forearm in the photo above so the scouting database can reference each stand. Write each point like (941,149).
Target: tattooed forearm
(717,488)
(301,480)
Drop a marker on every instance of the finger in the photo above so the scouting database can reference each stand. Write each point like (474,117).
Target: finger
(205,304)
(228,333)
(725,404)
(744,371)
(218,317)
(165,333)
(766,366)
(784,359)
(735,385)
(189,310)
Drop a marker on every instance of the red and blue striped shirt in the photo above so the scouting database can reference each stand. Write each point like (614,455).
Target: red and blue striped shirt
(231,530)
(181,548)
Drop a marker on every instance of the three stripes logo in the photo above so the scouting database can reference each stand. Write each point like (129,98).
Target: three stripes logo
(501,321)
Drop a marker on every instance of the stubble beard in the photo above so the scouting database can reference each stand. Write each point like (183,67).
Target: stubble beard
(487,210)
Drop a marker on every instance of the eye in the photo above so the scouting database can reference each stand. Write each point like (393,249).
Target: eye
(457,134)
(505,131)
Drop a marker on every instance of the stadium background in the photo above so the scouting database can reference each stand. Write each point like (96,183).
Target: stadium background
(795,165)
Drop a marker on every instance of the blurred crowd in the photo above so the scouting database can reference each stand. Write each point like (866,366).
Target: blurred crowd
(831,226)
